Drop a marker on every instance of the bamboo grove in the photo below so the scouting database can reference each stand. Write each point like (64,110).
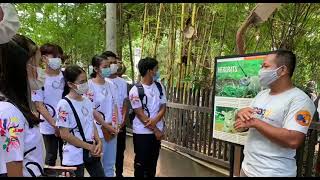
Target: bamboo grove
(184,37)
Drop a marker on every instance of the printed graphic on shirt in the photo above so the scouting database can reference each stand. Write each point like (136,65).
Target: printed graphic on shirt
(50,109)
(303,118)
(104,91)
(33,92)
(263,114)
(84,111)
(134,99)
(114,119)
(103,117)
(9,129)
(58,84)
(90,95)
(63,114)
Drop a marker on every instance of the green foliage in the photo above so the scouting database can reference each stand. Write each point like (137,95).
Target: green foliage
(80,29)
(77,28)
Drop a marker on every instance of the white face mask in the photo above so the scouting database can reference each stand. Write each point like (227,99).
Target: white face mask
(9,24)
(267,77)
(38,83)
(82,88)
(114,68)
(54,63)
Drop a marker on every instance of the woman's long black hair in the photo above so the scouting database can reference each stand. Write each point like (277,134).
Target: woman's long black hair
(14,57)
(71,74)
(95,62)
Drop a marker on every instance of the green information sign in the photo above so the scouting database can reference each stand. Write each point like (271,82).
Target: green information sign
(236,84)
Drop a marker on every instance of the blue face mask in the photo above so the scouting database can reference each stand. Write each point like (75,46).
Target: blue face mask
(106,72)
(156,77)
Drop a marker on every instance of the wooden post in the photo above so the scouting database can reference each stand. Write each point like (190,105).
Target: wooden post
(111,27)
(238,156)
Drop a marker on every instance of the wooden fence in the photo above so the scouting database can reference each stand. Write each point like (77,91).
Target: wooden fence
(189,128)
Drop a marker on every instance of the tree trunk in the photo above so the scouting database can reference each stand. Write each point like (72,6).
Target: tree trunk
(111,27)
(130,51)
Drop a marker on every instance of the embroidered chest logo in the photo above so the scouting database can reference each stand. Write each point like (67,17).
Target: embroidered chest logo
(9,129)
(303,118)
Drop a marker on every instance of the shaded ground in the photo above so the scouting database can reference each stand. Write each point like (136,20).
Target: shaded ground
(170,164)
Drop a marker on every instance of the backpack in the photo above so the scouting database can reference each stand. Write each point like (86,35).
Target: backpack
(316,113)
(141,93)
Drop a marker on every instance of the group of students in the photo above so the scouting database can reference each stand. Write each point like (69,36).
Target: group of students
(61,110)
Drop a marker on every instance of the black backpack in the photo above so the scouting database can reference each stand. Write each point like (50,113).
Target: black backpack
(316,113)
(141,93)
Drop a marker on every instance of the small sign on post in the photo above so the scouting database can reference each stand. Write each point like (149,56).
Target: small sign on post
(264,10)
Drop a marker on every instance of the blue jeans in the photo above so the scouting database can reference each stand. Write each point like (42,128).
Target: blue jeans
(109,156)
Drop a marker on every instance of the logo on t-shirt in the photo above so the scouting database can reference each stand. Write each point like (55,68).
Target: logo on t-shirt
(263,114)
(63,114)
(303,118)
(104,91)
(134,99)
(50,109)
(84,111)
(9,129)
(33,93)
(90,95)
(57,84)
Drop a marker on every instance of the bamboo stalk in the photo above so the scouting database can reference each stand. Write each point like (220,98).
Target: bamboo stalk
(190,50)
(190,42)
(181,44)
(209,40)
(173,64)
(171,39)
(201,50)
(154,54)
(143,33)
(130,51)
(144,27)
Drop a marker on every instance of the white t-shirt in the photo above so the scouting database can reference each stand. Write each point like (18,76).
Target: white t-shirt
(50,96)
(292,110)
(122,89)
(3,167)
(65,118)
(153,104)
(19,142)
(103,100)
